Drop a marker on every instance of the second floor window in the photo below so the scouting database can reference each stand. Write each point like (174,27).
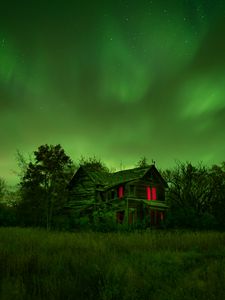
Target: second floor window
(151,193)
(120,191)
(148,191)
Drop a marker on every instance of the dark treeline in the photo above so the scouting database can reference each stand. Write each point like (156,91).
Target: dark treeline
(196,194)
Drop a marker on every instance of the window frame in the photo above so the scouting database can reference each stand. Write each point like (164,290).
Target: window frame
(148,193)
(120,191)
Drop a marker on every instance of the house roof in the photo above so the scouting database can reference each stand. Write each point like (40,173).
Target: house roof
(107,180)
(133,174)
(127,175)
(99,177)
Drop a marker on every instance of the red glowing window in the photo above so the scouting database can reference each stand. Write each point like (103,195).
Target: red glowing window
(153,193)
(148,191)
(120,191)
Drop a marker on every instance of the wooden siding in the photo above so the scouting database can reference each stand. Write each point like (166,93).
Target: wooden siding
(86,192)
(140,189)
(83,192)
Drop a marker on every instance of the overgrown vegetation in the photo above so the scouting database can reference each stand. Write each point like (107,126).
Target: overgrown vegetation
(42,188)
(195,196)
(101,259)
(168,265)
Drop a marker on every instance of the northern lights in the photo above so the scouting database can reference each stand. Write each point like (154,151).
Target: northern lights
(115,79)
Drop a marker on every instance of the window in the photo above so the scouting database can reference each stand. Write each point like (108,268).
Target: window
(148,191)
(153,193)
(132,190)
(120,191)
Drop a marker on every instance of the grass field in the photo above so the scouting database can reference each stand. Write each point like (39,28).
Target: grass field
(35,264)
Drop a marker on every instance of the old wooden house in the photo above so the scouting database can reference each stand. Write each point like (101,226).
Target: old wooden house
(134,195)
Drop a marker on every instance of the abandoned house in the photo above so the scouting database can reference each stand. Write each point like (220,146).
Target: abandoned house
(134,195)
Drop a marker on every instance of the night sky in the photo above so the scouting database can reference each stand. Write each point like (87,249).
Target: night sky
(115,79)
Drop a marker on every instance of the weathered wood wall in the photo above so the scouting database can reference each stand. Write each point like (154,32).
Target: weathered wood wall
(140,189)
(83,192)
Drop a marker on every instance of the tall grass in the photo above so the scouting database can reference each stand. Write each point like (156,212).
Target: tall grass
(35,264)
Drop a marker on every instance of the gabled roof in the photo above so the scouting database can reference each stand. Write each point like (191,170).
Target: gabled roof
(134,174)
(107,180)
(127,175)
(99,177)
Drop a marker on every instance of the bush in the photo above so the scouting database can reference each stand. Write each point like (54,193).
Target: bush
(208,221)
(189,219)
(7,215)
(104,221)
(180,218)
(61,222)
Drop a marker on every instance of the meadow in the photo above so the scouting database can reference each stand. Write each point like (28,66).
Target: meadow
(160,264)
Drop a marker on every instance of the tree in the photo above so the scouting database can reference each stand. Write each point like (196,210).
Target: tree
(7,205)
(217,188)
(22,164)
(142,163)
(189,193)
(2,189)
(43,186)
(92,163)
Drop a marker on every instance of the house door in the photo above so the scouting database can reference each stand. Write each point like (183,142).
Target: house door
(152,217)
(157,217)
(133,216)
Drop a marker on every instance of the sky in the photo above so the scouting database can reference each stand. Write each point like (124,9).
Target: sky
(118,80)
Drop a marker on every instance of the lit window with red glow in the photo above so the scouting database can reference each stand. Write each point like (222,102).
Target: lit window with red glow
(153,193)
(148,191)
(120,191)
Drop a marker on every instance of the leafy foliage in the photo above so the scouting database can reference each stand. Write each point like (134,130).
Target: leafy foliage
(43,186)
(7,208)
(2,189)
(196,195)
(93,163)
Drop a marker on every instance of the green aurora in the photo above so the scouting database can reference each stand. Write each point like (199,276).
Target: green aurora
(115,79)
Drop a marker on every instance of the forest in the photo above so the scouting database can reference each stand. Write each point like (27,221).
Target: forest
(195,196)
